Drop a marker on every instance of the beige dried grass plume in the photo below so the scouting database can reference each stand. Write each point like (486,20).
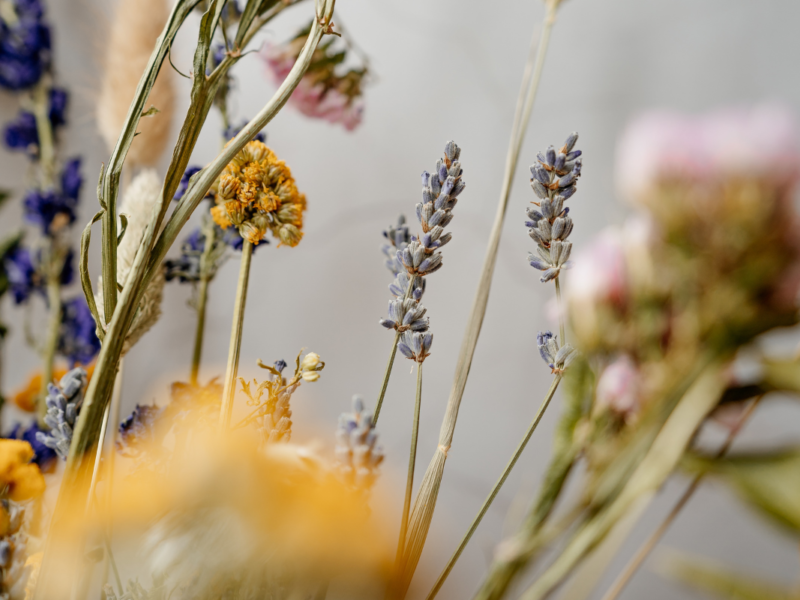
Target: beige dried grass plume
(138,201)
(132,37)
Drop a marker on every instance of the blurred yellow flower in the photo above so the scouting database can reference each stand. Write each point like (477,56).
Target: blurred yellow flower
(20,479)
(256,193)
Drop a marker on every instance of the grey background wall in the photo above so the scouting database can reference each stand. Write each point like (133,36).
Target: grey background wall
(448,69)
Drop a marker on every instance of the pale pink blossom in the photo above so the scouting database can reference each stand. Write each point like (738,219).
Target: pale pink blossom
(313,98)
(751,142)
(599,273)
(619,387)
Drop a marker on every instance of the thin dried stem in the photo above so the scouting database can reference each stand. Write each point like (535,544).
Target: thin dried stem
(496,489)
(645,549)
(561,328)
(236,337)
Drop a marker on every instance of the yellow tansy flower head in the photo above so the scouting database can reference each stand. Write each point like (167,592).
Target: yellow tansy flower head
(255,193)
(20,479)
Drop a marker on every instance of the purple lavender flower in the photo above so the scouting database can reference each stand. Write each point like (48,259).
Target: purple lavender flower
(358,454)
(553,179)
(415,346)
(23,279)
(43,455)
(555,357)
(24,46)
(63,405)
(78,341)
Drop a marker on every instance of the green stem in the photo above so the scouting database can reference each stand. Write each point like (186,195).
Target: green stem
(53,331)
(44,130)
(645,549)
(236,338)
(563,338)
(206,268)
(412,461)
(392,354)
(493,494)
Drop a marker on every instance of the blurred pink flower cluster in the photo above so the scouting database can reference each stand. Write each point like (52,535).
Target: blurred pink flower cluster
(731,142)
(331,98)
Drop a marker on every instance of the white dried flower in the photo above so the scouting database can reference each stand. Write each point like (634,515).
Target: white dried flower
(138,202)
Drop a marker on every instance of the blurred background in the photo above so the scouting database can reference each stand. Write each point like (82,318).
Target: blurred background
(445,69)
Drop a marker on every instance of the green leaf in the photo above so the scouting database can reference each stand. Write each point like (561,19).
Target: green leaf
(150,112)
(723,583)
(770,482)
(4,195)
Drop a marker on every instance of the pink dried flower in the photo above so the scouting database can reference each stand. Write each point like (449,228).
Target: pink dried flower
(736,142)
(599,271)
(322,93)
(619,388)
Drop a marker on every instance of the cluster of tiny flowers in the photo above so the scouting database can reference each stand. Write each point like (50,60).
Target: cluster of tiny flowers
(553,178)
(555,357)
(187,267)
(358,454)
(399,239)
(53,209)
(324,92)
(14,551)
(22,133)
(63,404)
(256,193)
(24,44)
(78,341)
(276,425)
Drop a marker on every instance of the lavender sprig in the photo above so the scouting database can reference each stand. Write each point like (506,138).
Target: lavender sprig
(63,405)
(558,358)
(358,454)
(553,179)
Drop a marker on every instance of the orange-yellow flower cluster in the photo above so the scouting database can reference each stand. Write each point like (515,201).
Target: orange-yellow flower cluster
(255,193)
(19,478)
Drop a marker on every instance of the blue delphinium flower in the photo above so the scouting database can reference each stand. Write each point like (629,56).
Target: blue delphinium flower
(63,405)
(43,455)
(21,133)
(138,429)
(358,454)
(78,340)
(53,209)
(184,184)
(553,179)
(233,130)
(24,45)
(23,279)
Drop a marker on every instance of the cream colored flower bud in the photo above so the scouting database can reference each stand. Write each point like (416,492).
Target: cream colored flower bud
(311,362)
(310,375)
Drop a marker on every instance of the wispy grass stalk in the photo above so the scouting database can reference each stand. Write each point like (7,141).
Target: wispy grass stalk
(235,347)
(645,549)
(74,487)
(425,503)
(496,489)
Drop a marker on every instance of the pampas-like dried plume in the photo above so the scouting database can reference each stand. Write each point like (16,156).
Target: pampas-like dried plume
(138,201)
(134,31)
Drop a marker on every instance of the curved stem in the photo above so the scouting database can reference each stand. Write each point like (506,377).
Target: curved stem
(493,494)
(392,354)
(412,462)
(236,338)
(645,549)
